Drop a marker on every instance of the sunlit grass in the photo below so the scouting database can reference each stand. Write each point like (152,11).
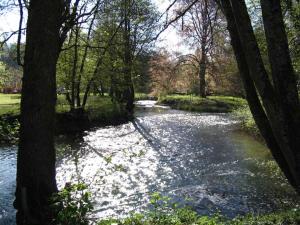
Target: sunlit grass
(10,104)
(217,104)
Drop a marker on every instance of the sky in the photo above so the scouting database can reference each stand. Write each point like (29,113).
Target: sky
(169,39)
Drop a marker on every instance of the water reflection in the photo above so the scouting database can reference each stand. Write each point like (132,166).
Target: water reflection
(181,154)
(185,155)
(7,184)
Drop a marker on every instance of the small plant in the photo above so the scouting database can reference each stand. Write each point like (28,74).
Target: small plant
(72,205)
(9,129)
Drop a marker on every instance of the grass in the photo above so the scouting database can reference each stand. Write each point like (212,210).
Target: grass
(214,104)
(247,121)
(143,96)
(10,104)
(99,111)
(96,105)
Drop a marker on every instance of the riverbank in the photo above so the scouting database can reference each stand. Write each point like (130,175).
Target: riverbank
(215,104)
(163,212)
(100,111)
(186,216)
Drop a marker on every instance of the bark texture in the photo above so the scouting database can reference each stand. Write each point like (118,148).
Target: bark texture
(36,155)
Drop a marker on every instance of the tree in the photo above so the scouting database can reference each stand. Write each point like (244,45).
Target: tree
(200,25)
(273,98)
(163,73)
(47,27)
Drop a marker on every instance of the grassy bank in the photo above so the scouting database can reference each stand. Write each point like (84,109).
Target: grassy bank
(143,96)
(99,111)
(215,104)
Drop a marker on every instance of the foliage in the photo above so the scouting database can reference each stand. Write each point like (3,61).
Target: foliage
(9,129)
(163,74)
(10,72)
(247,122)
(94,62)
(72,205)
(164,212)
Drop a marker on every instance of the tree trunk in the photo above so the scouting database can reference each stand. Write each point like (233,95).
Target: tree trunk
(284,80)
(252,96)
(278,120)
(74,71)
(82,65)
(202,72)
(36,155)
(129,89)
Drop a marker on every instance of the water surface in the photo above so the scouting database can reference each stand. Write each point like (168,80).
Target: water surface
(196,159)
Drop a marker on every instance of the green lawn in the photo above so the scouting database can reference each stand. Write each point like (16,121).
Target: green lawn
(10,104)
(100,111)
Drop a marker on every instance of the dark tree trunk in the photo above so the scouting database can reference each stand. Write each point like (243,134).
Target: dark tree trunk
(278,119)
(202,72)
(284,80)
(82,65)
(36,155)
(74,72)
(129,89)
(87,92)
(251,94)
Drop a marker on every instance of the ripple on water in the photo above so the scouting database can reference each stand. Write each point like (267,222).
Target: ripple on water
(7,184)
(196,158)
(184,155)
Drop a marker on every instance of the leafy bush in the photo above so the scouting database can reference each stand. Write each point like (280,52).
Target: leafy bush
(9,130)
(164,212)
(72,205)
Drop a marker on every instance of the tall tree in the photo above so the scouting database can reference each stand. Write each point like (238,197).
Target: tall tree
(47,27)
(273,98)
(36,156)
(200,26)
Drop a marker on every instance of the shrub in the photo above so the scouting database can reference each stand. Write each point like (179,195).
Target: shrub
(72,205)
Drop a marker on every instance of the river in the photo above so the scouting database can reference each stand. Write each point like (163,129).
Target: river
(201,160)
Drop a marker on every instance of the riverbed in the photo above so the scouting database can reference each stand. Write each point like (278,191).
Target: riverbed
(200,160)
